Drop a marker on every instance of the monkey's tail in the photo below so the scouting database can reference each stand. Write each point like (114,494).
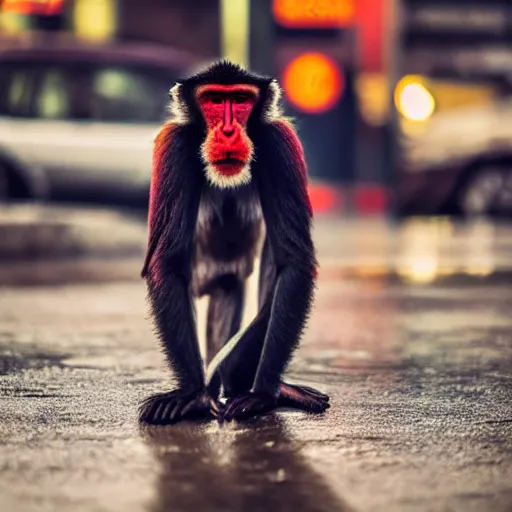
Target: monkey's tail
(221,355)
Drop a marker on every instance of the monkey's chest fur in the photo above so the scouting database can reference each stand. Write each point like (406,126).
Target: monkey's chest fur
(229,228)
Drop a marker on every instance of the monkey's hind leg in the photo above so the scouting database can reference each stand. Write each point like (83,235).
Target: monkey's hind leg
(290,395)
(224,319)
(174,314)
(242,368)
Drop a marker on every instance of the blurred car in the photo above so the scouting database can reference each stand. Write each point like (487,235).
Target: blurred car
(77,121)
(461,164)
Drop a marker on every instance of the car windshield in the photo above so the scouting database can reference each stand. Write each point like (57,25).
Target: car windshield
(128,95)
(107,93)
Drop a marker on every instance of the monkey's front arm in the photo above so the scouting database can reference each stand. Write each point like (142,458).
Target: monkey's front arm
(167,269)
(267,346)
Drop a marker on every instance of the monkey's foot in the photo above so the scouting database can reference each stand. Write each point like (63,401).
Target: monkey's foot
(246,406)
(303,398)
(178,405)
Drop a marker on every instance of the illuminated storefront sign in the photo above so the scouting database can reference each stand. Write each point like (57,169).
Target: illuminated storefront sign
(314,13)
(39,7)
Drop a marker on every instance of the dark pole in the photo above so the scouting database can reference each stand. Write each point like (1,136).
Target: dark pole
(261,37)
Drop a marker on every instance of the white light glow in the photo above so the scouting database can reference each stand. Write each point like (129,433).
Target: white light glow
(413,100)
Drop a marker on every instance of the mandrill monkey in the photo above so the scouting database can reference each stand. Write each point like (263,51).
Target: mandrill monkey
(226,164)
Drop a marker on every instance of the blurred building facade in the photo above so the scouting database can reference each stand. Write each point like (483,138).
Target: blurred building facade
(191,25)
(358,75)
(318,58)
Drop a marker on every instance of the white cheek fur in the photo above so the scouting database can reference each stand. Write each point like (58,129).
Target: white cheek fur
(220,180)
(217,179)
(180,113)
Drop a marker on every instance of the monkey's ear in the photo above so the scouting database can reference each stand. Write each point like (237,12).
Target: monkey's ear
(178,107)
(175,91)
(272,108)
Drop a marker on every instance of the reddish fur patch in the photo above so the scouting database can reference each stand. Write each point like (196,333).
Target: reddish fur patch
(290,136)
(226,110)
(162,143)
(297,160)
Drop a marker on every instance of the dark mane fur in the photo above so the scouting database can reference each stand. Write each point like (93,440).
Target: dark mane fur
(224,72)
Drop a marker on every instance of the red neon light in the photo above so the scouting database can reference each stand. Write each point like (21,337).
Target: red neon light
(314,13)
(324,198)
(40,7)
(371,199)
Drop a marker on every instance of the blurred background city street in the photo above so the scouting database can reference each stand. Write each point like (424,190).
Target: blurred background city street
(404,108)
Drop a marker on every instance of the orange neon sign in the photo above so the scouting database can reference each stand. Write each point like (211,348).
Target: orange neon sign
(314,13)
(42,7)
(313,82)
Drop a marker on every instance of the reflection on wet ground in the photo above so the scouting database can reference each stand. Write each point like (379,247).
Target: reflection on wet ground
(421,418)
(251,468)
(418,250)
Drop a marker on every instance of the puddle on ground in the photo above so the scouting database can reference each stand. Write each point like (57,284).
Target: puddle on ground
(15,360)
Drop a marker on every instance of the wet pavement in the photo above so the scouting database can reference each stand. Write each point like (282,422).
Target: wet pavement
(421,420)
(60,244)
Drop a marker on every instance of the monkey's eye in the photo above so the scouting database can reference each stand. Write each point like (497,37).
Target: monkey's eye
(216,99)
(240,98)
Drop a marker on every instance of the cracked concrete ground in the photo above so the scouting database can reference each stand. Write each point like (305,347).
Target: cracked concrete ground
(420,377)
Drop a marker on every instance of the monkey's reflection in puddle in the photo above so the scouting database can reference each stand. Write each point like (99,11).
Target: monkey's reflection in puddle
(246,467)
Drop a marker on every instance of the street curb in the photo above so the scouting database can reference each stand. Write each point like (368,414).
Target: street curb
(45,245)
(72,271)
(32,233)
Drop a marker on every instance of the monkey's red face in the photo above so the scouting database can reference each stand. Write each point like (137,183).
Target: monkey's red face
(227,150)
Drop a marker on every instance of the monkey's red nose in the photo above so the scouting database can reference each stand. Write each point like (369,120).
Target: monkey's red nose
(227,135)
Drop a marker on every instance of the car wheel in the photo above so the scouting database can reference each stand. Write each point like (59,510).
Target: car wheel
(12,184)
(4,184)
(487,190)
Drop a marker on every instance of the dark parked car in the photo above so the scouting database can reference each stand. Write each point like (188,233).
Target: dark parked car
(77,121)
(462,164)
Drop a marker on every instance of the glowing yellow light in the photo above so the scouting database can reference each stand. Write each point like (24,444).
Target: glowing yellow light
(95,19)
(422,269)
(12,23)
(235,30)
(413,100)
(373,91)
(480,255)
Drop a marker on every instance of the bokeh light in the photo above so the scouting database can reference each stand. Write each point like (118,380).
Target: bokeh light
(413,99)
(304,13)
(313,82)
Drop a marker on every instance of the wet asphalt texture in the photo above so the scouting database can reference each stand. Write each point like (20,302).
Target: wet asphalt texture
(420,378)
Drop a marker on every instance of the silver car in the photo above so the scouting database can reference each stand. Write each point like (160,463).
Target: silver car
(77,122)
(461,164)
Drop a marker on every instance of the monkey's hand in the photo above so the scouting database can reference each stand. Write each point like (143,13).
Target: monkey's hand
(178,405)
(302,397)
(246,406)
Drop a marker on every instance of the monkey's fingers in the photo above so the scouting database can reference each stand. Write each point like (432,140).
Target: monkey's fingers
(293,390)
(311,391)
(200,406)
(216,408)
(302,398)
(169,408)
(246,406)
